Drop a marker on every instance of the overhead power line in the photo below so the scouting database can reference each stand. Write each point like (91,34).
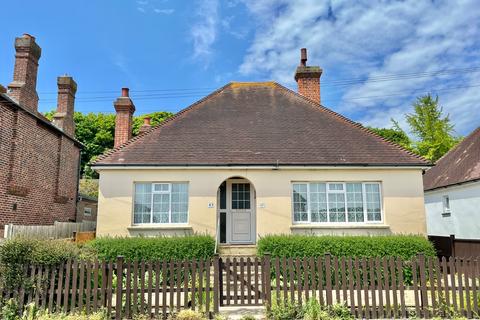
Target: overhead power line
(331,83)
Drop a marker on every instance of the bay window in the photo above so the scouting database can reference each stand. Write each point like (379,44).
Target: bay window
(159,203)
(336,202)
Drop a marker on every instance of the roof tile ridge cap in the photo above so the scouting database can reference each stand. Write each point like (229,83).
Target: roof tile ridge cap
(160,125)
(474,132)
(352,123)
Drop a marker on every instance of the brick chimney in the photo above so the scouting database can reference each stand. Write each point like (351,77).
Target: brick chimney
(146,124)
(123,123)
(23,86)
(63,118)
(308,78)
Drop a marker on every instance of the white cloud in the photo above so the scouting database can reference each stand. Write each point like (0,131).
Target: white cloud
(164,11)
(370,39)
(204,30)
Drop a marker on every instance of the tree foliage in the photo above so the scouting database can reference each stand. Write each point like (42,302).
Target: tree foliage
(97,130)
(432,130)
(395,134)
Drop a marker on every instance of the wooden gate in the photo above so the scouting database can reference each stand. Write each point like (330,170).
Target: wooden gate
(244,281)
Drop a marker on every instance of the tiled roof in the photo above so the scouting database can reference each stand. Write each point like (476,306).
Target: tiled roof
(459,165)
(260,123)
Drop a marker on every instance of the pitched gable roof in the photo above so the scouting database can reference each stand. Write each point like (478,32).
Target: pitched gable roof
(259,123)
(459,165)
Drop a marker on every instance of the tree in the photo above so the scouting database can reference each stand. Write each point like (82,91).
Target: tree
(395,135)
(96,132)
(434,132)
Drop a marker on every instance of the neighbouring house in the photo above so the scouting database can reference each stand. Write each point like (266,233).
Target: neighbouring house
(452,192)
(256,158)
(86,208)
(39,159)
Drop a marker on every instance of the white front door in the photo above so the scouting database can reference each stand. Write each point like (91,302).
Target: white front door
(240,216)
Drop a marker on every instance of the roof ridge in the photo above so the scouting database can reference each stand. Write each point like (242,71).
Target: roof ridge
(351,122)
(160,125)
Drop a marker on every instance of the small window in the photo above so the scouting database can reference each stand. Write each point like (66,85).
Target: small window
(446,204)
(87,212)
(161,187)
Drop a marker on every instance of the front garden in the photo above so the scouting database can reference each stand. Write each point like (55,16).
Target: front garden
(297,277)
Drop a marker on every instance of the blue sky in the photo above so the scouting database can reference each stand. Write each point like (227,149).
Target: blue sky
(377,56)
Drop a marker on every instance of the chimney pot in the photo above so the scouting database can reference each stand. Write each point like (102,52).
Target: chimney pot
(125,92)
(308,78)
(146,124)
(28,35)
(303,57)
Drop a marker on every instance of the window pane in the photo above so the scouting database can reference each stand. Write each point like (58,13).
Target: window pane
(240,196)
(161,207)
(223,195)
(318,202)
(372,194)
(300,212)
(142,203)
(179,205)
(335,186)
(355,202)
(336,204)
(161,187)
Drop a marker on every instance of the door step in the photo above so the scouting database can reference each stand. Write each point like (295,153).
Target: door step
(238,312)
(227,250)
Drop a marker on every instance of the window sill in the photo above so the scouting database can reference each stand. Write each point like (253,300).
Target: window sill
(336,226)
(159,227)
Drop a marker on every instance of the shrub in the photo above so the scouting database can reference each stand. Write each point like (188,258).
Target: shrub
(17,253)
(312,310)
(157,248)
(190,315)
(404,246)
(287,311)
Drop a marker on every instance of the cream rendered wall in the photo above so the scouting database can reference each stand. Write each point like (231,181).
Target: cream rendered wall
(402,191)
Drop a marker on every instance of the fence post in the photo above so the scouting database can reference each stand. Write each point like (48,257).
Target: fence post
(216,282)
(423,284)
(452,245)
(267,277)
(118,303)
(328,278)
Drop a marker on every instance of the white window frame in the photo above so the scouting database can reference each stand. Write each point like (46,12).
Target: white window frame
(169,192)
(344,191)
(89,214)
(445,200)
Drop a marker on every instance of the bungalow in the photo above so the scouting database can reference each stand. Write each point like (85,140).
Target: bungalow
(257,158)
(452,192)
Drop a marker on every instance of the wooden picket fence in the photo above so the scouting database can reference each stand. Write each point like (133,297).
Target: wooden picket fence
(370,287)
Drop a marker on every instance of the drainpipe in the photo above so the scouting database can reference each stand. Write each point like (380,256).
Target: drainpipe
(79,169)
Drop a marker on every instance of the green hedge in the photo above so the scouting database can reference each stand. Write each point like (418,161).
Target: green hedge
(405,246)
(17,253)
(157,248)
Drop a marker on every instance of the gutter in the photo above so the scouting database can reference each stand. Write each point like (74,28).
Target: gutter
(452,185)
(256,166)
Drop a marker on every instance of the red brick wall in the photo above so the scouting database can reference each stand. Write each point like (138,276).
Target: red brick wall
(309,88)
(85,203)
(123,127)
(38,171)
